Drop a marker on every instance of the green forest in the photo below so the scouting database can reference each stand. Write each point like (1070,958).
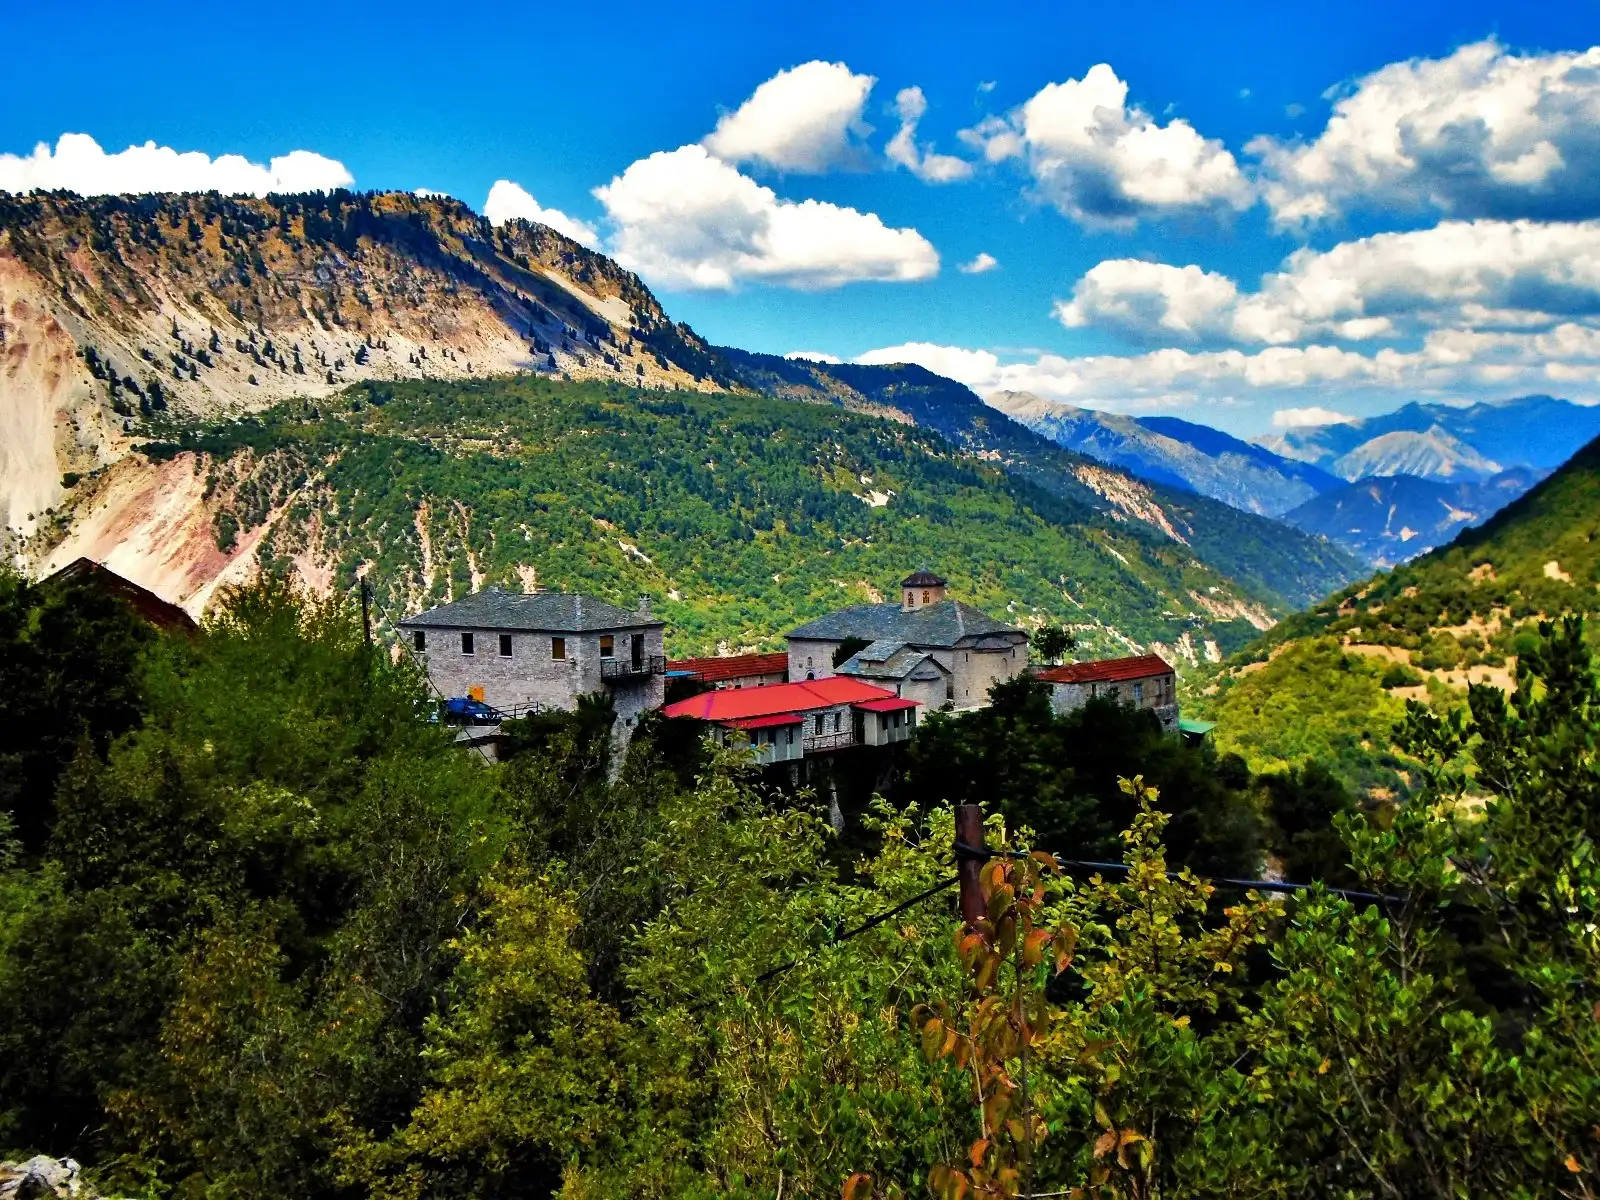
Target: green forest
(265,931)
(1331,681)
(739,516)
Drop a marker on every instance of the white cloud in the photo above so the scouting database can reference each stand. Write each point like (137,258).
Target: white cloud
(510,201)
(687,219)
(78,164)
(805,119)
(1449,364)
(980,264)
(921,161)
(1483,132)
(1145,299)
(821,356)
(1104,163)
(975,368)
(1460,274)
(1296,418)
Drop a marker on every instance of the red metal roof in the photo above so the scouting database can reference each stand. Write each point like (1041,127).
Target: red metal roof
(764,722)
(893,704)
(770,699)
(736,666)
(1108,670)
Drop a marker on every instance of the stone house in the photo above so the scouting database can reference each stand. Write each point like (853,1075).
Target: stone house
(517,652)
(1143,681)
(904,670)
(976,650)
(786,722)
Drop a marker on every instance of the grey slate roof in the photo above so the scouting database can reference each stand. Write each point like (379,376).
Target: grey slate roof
(941,624)
(547,612)
(892,660)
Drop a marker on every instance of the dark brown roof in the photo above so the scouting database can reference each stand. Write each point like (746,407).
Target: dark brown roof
(922,578)
(734,666)
(161,613)
(1108,670)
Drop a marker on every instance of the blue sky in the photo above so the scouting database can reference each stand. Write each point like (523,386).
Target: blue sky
(1133,173)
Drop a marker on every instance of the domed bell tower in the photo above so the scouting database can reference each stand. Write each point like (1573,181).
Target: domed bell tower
(920,589)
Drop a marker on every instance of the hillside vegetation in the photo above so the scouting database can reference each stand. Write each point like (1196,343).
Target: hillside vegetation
(266,933)
(737,516)
(1426,630)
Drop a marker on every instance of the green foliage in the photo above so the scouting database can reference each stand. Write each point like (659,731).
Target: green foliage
(1313,701)
(1059,777)
(739,516)
(1052,643)
(285,939)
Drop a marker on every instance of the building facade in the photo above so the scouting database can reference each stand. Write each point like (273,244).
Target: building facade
(1145,681)
(516,652)
(786,722)
(975,650)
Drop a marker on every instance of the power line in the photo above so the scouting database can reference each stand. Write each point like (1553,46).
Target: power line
(1084,866)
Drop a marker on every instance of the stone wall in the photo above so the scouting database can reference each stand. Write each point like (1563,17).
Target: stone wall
(976,671)
(1158,693)
(532,675)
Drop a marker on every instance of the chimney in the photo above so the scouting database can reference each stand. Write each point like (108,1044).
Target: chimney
(644,606)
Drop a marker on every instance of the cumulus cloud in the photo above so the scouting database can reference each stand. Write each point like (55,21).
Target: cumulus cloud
(1448,363)
(1297,418)
(980,264)
(687,219)
(975,368)
(78,164)
(821,356)
(1480,274)
(805,119)
(1146,299)
(921,161)
(1105,163)
(511,202)
(1483,132)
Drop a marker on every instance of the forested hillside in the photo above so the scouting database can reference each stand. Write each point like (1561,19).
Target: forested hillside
(738,516)
(265,932)
(1331,681)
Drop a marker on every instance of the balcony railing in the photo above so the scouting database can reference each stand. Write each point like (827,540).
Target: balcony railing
(627,668)
(821,743)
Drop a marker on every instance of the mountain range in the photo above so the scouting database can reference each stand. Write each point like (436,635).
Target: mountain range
(166,320)
(1386,488)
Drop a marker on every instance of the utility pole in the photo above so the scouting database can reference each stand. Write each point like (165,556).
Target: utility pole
(970,853)
(366,611)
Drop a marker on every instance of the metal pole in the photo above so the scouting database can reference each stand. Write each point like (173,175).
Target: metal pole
(969,833)
(366,611)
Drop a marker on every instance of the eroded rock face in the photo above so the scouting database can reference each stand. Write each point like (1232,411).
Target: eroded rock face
(42,1178)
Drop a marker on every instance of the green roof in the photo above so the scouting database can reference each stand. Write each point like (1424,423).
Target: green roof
(1200,727)
(942,624)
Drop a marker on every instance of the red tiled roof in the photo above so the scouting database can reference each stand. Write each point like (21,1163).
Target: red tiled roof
(764,722)
(893,704)
(737,666)
(1108,670)
(770,699)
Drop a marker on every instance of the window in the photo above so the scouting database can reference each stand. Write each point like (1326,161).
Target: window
(911,716)
(505,645)
(836,722)
(466,643)
(819,722)
(608,646)
(924,595)
(558,647)
(788,736)
(419,640)
(1138,693)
